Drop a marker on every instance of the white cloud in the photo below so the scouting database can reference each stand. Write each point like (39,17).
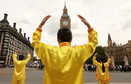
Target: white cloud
(105,16)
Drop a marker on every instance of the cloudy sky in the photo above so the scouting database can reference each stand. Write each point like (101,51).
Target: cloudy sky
(105,16)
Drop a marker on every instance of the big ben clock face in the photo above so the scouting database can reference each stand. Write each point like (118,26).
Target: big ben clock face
(65,23)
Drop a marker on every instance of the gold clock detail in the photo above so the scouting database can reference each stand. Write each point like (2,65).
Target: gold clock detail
(65,23)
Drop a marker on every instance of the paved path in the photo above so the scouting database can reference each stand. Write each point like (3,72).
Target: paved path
(36,77)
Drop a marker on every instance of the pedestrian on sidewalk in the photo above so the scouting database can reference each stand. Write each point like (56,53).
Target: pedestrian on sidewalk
(64,64)
(102,74)
(19,68)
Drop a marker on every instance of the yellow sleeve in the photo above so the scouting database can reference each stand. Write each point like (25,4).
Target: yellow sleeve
(15,58)
(108,62)
(87,50)
(37,45)
(95,61)
(28,57)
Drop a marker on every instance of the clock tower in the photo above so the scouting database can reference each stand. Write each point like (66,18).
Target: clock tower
(65,19)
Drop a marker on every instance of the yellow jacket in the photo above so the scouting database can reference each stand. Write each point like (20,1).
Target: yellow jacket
(100,75)
(19,67)
(63,64)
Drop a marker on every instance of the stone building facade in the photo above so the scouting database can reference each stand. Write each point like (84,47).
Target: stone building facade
(65,21)
(120,54)
(12,40)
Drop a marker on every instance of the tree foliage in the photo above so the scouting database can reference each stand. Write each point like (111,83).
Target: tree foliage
(101,53)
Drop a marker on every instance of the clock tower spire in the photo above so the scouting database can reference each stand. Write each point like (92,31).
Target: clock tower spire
(65,19)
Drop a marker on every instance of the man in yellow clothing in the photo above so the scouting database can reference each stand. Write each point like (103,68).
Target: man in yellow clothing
(64,64)
(102,74)
(19,68)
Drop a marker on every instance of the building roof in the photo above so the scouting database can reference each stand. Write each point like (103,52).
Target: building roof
(65,13)
(4,26)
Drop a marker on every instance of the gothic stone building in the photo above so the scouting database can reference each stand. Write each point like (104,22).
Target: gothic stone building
(120,54)
(65,19)
(12,40)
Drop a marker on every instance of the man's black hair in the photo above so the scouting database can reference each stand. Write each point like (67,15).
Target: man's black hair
(21,57)
(64,34)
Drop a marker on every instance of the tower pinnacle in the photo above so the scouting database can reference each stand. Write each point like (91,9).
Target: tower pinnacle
(65,13)
(109,37)
(65,5)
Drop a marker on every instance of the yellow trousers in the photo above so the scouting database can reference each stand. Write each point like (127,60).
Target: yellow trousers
(18,81)
(103,82)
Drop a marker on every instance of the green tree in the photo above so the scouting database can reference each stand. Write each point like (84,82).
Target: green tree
(101,53)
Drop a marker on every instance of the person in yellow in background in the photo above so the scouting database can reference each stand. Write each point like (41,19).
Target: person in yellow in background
(102,74)
(64,64)
(19,68)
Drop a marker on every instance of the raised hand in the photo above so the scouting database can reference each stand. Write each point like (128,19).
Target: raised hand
(17,51)
(107,55)
(95,54)
(27,51)
(43,21)
(84,21)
